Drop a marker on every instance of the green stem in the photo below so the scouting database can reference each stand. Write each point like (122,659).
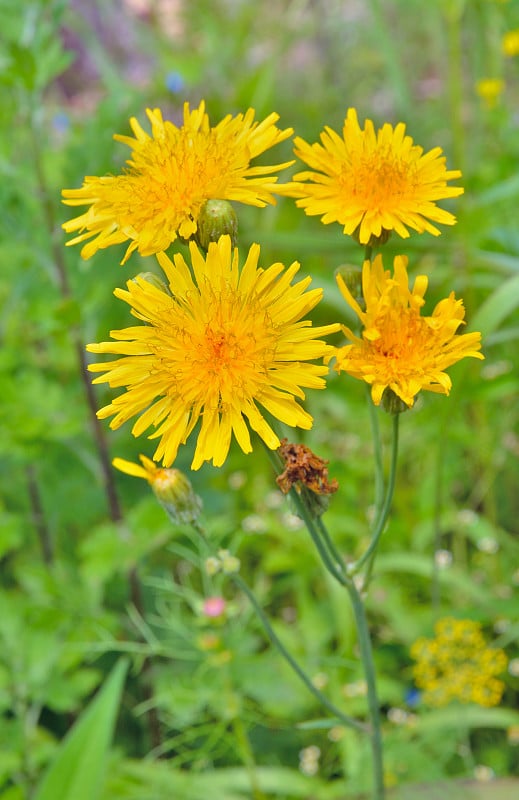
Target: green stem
(332,560)
(316,527)
(366,653)
(38,516)
(328,541)
(377,453)
(381,520)
(453,13)
(246,752)
(350,722)
(247,757)
(437,516)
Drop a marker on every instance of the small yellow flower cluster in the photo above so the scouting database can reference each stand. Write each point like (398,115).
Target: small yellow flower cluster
(458,665)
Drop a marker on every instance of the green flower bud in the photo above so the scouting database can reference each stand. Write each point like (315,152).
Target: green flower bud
(212,565)
(352,277)
(175,494)
(155,281)
(392,403)
(374,241)
(229,562)
(216,218)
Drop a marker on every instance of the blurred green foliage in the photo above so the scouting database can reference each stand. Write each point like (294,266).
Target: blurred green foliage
(80,585)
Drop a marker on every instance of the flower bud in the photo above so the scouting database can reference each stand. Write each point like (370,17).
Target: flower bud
(155,281)
(392,403)
(214,606)
(374,241)
(352,277)
(212,565)
(216,218)
(175,494)
(229,562)
(170,486)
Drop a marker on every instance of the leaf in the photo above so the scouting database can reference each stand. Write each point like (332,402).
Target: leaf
(77,771)
(497,307)
(458,790)
(505,190)
(468,717)
(417,564)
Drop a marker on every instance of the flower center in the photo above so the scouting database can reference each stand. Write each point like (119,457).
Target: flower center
(170,178)
(405,338)
(225,358)
(378,178)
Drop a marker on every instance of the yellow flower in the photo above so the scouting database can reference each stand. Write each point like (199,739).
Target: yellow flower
(400,349)
(374,183)
(213,350)
(490,89)
(458,665)
(510,43)
(170,175)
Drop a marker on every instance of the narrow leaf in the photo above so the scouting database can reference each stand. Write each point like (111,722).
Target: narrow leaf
(497,307)
(77,771)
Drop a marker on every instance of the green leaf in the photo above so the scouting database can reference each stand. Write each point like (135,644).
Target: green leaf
(497,307)
(458,790)
(417,564)
(504,190)
(77,772)
(466,718)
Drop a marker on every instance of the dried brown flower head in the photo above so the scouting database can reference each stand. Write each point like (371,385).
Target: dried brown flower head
(304,467)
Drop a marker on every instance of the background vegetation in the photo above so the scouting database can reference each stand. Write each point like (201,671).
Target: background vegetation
(92,571)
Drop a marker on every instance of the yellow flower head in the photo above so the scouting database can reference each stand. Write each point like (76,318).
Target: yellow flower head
(223,343)
(458,665)
(510,43)
(490,90)
(374,183)
(170,175)
(400,349)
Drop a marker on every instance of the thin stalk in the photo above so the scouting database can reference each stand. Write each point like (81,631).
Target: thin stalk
(247,756)
(453,13)
(437,515)
(380,522)
(334,568)
(328,541)
(377,452)
(38,516)
(112,498)
(152,716)
(366,653)
(61,271)
(364,639)
(350,722)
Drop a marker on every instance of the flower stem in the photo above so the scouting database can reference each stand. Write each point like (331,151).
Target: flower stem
(38,516)
(111,495)
(350,722)
(49,218)
(322,541)
(327,551)
(369,554)
(245,749)
(366,654)
(377,452)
